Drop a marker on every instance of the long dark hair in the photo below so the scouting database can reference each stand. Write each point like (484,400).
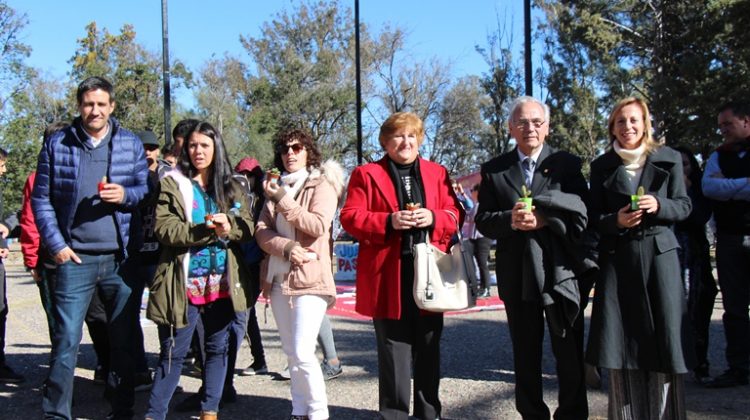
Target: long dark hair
(220,175)
(696,173)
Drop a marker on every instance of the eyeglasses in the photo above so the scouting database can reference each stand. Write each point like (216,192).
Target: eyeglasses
(296,148)
(523,122)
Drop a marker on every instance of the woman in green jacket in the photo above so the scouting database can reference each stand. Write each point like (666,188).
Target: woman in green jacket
(201,216)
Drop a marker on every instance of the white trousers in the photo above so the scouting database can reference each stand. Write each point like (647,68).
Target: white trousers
(298,319)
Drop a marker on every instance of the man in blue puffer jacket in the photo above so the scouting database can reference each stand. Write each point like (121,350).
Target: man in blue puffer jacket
(90,176)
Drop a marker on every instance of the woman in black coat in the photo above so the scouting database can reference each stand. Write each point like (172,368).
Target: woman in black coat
(639,301)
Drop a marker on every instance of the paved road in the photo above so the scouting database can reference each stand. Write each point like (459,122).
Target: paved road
(477,370)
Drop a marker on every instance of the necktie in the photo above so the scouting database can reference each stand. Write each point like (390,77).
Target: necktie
(528,170)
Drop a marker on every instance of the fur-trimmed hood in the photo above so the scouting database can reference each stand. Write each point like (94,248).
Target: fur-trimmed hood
(332,172)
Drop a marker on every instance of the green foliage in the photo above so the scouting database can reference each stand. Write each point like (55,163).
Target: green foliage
(13,71)
(501,83)
(134,71)
(685,57)
(304,77)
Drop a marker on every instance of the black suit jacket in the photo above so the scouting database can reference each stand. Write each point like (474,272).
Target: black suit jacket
(500,189)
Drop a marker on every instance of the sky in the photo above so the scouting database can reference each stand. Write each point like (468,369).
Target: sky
(198,30)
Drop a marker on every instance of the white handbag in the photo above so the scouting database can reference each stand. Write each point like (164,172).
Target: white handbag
(444,282)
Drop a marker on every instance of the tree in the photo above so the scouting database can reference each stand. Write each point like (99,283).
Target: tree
(134,71)
(304,76)
(502,83)
(576,113)
(41,103)
(14,74)
(684,56)
(461,131)
(223,87)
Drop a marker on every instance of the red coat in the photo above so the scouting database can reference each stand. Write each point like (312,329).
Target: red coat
(371,197)
(29,233)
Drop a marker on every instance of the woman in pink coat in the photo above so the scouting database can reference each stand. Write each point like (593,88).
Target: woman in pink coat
(295,231)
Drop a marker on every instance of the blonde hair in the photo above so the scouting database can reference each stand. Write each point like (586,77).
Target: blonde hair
(648,137)
(398,121)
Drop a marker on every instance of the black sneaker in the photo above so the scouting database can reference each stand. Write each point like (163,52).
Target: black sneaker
(700,374)
(143,381)
(728,379)
(331,371)
(8,376)
(229,395)
(483,293)
(191,403)
(257,368)
(100,375)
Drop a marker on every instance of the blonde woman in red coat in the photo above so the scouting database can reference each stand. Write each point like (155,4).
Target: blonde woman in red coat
(377,214)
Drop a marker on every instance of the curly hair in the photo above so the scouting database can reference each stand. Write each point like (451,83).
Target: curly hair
(285,137)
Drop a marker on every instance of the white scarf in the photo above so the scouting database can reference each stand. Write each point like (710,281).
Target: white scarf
(633,161)
(292,183)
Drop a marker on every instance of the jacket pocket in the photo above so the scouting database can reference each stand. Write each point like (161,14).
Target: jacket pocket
(305,276)
(665,242)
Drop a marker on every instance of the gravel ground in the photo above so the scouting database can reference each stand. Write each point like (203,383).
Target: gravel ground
(477,369)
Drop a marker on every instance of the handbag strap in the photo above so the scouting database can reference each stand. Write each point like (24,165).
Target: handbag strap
(458,228)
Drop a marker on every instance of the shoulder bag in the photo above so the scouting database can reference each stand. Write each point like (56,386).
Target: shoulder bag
(444,282)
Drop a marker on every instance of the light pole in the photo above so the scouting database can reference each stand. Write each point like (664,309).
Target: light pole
(359,82)
(527,45)
(165,75)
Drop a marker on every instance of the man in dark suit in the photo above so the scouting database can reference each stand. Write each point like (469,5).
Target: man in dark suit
(534,258)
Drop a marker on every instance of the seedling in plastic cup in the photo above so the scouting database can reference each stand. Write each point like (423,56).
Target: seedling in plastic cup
(526,198)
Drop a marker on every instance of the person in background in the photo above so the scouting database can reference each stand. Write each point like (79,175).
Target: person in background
(637,195)
(463,198)
(37,261)
(7,374)
(540,260)
(376,214)
(201,217)
(695,263)
(726,182)
(250,175)
(480,246)
(90,177)
(144,250)
(295,231)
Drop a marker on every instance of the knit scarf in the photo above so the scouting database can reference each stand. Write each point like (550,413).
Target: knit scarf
(633,161)
(292,183)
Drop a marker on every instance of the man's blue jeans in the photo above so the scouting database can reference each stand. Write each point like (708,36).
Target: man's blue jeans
(75,285)
(217,317)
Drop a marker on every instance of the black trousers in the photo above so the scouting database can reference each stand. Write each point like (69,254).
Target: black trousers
(405,345)
(482,255)
(526,323)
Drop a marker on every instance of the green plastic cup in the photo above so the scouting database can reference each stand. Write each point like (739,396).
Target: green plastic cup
(528,202)
(634,202)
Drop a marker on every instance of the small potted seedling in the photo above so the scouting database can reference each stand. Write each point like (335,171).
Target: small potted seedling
(634,198)
(413,206)
(100,185)
(273,176)
(526,198)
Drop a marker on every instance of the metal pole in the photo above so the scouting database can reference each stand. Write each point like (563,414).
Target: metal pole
(166,75)
(527,45)
(359,82)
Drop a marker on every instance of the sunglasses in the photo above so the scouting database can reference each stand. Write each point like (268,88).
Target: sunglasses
(296,148)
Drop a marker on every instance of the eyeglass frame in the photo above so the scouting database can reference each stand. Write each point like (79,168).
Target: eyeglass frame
(523,122)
